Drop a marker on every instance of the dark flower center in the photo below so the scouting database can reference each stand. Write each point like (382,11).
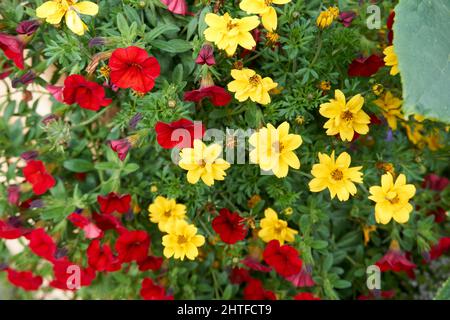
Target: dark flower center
(255,80)
(337,175)
(347,116)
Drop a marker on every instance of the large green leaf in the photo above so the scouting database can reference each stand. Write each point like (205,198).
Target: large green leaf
(422,44)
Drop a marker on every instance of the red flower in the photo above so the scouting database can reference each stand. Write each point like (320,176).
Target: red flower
(284,259)
(176,6)
(101,257)
(9,231)
(114,202)
(56,92)
(36,174)
(70,276)
(180,133)
(395,260)
(435,182)
(5,70)
(87,94)
(305,296)
(218,95)
(239,275)
(91,231)
(42,244)
(133,245)
(150,263)
(229,226)
(438,250)
(301,279)
(347,17)
(24,279)
(132,67)
(206,55)
(151,291)
(13,194)
(390,24)
(121,147)
(108,222)
(255,291)
(27,27)
(255,265)
(378,294)
(13,49)
(365,67)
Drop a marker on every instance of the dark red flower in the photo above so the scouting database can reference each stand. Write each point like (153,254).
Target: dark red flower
(132,67)
(176,6)
(151,291)
(70,276)
(440,215)
(36,174)
(390,24)
(254,264)
(365,66)
(439,249)
(239,275)
(150,263)
(395,260)
(229,226)
(255,291)
(91,231)
(284,259)
(108,222)
(218,95)
(27,27)
(87,94)
(13,49)
(24,279)
(42,244)
(305,296)
(301,279)
(56,92)
(101,258)
(5,70)
(133,245)
(121,147)
(435,182)
(180,133)
(10,231)
(378,294)
(206,55)
(114,202)
(346,18)
(13,194)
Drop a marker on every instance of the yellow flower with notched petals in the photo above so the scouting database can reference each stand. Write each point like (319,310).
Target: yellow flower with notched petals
(182,241)
(248,84)
(392,199)
(203,162)
(274,149)
(390,60)
(166,212)
(227,32)
(273,228)
(336,175)
(264,9)
(390,106)
(53,12)
(345,117)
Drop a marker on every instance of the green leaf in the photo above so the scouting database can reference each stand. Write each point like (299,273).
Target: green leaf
(78,165)
(172,46)
(131,167)
(444,291)
(342,284)
(159,30)
(422,45)
(106,166)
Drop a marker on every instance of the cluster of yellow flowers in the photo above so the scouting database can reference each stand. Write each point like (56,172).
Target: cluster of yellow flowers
(182,239)
(326,18)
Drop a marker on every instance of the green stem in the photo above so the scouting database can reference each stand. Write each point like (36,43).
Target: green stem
(319,48)
(92,119)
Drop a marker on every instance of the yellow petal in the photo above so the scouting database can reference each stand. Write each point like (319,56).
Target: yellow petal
(48,8)
(74,22)
(86,7)
(269,19)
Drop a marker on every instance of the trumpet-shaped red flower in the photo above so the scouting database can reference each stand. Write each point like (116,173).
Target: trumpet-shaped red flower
(365,67)
(151,291)
(176,6)
(218,95)
(132,67)
(239,275)
(180,133)
(114,202)
(305,296)
(121,147)
(395,260)
(56,92)
(36,174)
(301,279)
(133,246)
(255,291)
(42,244)
(70,276)
(150,263)
(284,259)
(87,94)
(229,226)
(24,279)
(27,27)
(206,55)
(13,49)
(101,258)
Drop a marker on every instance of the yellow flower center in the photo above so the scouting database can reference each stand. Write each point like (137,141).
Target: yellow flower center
(347,116)
(182,240)
(167,214)
(231,25)
(268,2)
(337,175)
(255,80)
(278,228)
(393,198)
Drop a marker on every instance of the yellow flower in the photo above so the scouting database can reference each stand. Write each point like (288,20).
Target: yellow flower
(390,107)
(53,11)
(203,162)
(378,89)
(392,199)
(227,32)
(182,241)
(248,84)
(264,9)
(274,149)
(166,212)
(272,39)
(336,175)
(253,201)
(325,85)
(273,228)
(415,133)
(433,140)
(326,18)
(288,211)
(153,189)
(345,117)
(390,60)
